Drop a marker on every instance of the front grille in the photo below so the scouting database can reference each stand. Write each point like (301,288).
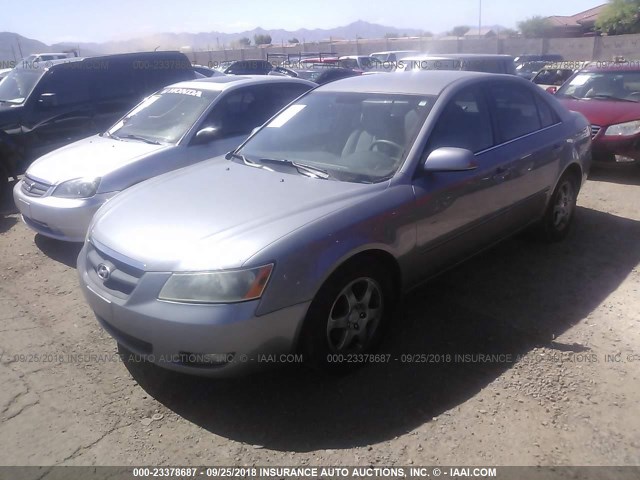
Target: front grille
(122,278)
(595,129)
(34,188)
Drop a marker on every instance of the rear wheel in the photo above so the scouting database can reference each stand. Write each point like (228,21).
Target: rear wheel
(348,317)
(558,218)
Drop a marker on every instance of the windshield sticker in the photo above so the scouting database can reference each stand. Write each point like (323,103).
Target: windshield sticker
(183,91)
(285,116)
(580,80)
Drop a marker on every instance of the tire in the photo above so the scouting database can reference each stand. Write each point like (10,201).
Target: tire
(4,182)
(558,218)
(348,317)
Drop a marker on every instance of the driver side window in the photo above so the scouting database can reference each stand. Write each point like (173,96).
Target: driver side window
(464,123)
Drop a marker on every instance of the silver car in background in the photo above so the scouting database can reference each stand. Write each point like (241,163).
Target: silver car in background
(179,125)
(309,233)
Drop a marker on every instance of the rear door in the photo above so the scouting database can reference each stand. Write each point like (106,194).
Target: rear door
(530,142)
(461,212)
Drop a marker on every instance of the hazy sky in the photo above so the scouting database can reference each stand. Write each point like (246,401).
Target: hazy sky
(53,21)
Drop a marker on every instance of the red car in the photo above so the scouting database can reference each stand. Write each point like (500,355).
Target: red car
(608,94)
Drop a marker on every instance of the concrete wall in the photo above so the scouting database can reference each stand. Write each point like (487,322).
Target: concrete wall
(585,48)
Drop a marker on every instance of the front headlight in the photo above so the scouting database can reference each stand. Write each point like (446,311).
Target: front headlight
(623,129)
(228,286)
(77,188)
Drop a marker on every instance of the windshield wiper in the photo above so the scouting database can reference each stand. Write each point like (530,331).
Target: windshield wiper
(308,169)
(138,137)
(245,160)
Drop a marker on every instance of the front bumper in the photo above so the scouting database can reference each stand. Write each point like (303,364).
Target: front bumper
(61,218)
(605,149)
(208,340)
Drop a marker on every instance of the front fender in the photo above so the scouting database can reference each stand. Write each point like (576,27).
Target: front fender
(306,258)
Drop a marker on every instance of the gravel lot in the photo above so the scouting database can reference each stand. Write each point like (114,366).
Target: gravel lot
(564,320)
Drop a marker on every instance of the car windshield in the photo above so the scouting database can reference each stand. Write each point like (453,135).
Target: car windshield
(353,137)
(616,85)
(530,67)
(165,116)
(19,83)
(552,76)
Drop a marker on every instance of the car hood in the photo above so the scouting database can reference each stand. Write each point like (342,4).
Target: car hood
(215,215)
(604,112)
(90,157)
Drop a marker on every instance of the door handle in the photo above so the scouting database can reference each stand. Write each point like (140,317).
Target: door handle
(501,174)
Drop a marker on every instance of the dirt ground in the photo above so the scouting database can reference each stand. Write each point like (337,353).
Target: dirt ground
(533,359)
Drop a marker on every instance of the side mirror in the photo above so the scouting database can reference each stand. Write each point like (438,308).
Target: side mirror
(206,135)
(450,159)
(48,100)
(552,90)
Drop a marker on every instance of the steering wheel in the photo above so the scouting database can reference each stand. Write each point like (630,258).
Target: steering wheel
(399,148)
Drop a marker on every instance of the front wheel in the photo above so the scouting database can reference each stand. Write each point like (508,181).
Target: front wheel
(347,317)
(4,182)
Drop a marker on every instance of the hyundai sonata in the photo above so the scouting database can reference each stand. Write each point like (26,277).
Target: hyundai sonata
(310,232)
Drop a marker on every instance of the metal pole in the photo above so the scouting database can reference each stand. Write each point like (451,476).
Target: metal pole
(480,20)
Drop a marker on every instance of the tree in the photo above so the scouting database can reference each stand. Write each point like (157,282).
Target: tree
(244,42)
(294,40)
(508,32)
(620,17)
(260,39)
(426,34)
(459,31)
(534,27)
(390,35)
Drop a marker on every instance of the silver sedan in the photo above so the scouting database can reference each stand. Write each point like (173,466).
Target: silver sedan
(178,126)
(310,232)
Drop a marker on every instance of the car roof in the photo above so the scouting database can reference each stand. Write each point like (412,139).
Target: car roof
(117,56)
(458,56)
(220,83)
(422,82)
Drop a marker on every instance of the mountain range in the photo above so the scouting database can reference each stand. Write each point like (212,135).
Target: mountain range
(14,46)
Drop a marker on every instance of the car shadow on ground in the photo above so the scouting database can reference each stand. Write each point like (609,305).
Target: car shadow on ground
(509,300)
(63,252)
(7,209)
(623,174)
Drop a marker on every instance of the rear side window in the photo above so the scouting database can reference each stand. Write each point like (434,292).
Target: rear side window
(515,110)
(464,123)
(547,116)
(113,81)
(242,110)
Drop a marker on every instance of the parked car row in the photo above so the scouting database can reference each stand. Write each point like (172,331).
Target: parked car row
(235,216)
